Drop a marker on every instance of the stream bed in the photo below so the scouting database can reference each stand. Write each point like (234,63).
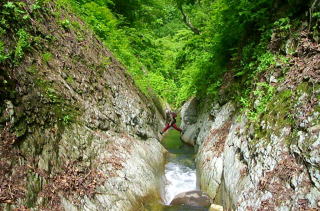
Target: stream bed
(180,174)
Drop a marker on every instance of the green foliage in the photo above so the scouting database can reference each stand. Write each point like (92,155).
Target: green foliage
(265,61)
(64,113)
(47,56)
(263,95)
(256,104)
(70,80)
(152,41)
(32,69)
(316,15)
(283,24)
(15,21)
(66,24)
(223,25)
(22,44)
(161,52)
(35,6)
(51,94)
(67,119)
(146,47)
(15,7)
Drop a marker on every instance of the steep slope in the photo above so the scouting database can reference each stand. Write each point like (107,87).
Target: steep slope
(265,155)
(76,133)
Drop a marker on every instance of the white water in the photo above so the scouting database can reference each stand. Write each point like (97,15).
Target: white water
(179,178)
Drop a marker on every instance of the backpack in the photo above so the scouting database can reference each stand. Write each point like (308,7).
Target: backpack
(174,115)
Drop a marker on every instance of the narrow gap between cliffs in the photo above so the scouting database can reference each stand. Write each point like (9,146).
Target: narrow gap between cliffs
(180,178)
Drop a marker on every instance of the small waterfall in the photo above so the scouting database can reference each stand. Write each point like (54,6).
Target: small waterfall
(180,175)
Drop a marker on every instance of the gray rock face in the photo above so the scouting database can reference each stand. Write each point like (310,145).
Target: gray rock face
(88,137)
(246,170)
(190,135)
(133,168)
(192,198)
(189,112)
(264,155)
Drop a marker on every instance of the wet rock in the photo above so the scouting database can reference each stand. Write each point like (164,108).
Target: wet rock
(243,169)
(192,198)
(9,112)
(273,79)
(190,135)
(189,112)
(314,129)
(291,46)
(215,207)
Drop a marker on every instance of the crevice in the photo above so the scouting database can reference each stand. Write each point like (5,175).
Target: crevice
(300,160)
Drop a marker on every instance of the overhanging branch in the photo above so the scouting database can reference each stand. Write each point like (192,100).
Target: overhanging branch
(187,21)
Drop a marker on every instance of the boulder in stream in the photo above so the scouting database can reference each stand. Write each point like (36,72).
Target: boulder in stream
(194,198)
(215,207)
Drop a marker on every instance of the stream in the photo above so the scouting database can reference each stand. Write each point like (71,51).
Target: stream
(180,174)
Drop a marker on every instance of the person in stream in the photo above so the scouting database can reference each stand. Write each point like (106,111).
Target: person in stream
(171,122)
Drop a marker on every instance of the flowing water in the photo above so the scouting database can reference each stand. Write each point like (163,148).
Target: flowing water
(180,174)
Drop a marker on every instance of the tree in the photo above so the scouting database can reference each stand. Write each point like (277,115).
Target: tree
(185,18)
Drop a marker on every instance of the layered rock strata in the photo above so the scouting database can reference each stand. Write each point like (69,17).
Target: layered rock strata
(76,133)
(267,159)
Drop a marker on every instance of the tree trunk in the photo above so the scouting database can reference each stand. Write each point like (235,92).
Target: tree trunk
(311,10)
(187,21)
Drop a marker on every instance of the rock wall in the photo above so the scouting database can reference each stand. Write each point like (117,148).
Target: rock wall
(76,133)
(270,162)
